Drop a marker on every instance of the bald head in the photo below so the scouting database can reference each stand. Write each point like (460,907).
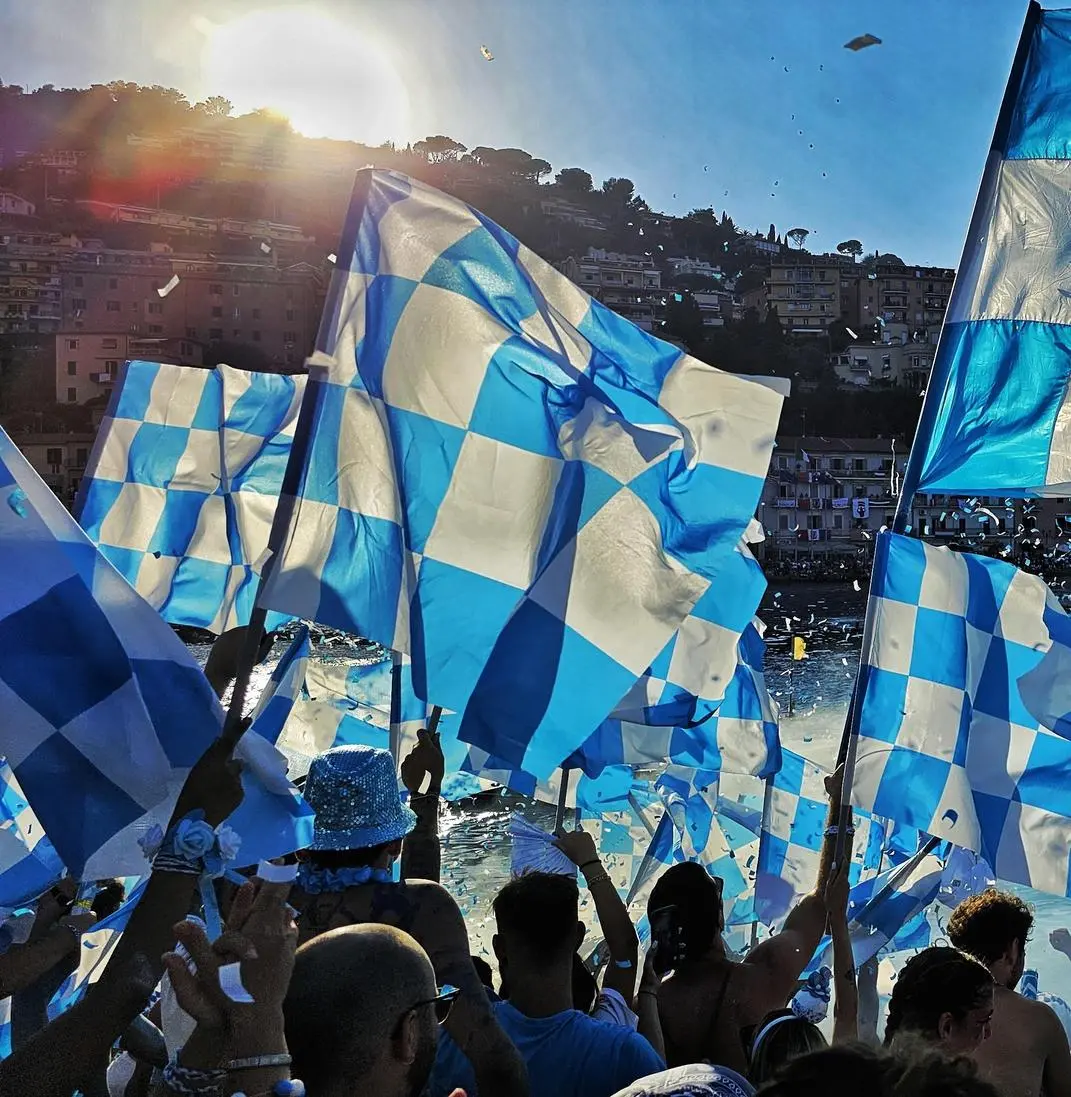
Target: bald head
(350,1022)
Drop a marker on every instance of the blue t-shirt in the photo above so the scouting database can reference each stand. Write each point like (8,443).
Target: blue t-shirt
(568,1054)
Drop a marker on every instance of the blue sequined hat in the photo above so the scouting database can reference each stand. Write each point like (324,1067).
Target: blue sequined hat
(354,792)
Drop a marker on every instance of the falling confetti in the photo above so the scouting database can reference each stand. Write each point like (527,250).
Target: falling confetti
(163,291)
(332,258)
(861,42)
(855,584)
(487,54)
(265,247)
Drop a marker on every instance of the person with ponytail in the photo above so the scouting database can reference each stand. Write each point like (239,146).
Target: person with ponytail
(942,996)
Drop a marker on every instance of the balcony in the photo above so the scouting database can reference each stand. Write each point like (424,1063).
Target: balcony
(102,378)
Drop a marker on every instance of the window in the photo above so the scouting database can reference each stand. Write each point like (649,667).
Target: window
(72,369)
(155,308)
(860,491)
(836,463)
(187,349)
(72,396)
(838,521)
(782,521)
(113,283)
(109,344)
(256,336)
(72,344)
(156,329)
(217,312)
(215,334)
(782,462)
(236,333)
(79,281)
(78,303)
(289,336)
(134,306)
(81,455)
(814,521)
(860,464)
(256,314)
(290,315)
(237,313)
(216,288)
(191,333)
(234,291)
(54,456)
(113,306)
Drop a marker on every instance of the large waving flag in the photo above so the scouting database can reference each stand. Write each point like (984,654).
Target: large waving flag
(183,482)
(997,417)
(504,479)
(947,742)
(102,709)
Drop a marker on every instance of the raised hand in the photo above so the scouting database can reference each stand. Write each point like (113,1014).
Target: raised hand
(424,760)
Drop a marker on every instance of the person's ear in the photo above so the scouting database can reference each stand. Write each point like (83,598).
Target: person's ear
(944,1026)
(407,1042)
(581,929)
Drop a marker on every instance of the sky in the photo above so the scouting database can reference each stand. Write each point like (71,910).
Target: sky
(752,106)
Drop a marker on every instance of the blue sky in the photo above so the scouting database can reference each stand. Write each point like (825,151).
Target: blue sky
(700,102)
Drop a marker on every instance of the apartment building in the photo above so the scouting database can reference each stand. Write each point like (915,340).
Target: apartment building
(87,363)
(11,205)
(904,301)
(686,265)
(174,221)
(629,284)
(30,284)
(560,209)
(906,365)
(804,290)
(59,459)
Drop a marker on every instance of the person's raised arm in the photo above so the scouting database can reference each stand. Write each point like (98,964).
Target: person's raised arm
(650,1022)
(786,954)
(221,666)
(869,1002)
(61,1055)
(24,964)
(845,993)
(421,850)
(617,928)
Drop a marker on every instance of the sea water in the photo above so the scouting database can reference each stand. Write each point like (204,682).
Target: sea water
(829,616)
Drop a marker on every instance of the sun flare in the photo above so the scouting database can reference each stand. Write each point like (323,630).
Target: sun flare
(329,78)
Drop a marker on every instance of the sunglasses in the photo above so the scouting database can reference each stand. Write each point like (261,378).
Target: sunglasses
(443,1003)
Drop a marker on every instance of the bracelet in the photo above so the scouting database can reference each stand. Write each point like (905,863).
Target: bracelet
(255,1062)
(191,1082)
(600,879)
(833,831)
(168,862)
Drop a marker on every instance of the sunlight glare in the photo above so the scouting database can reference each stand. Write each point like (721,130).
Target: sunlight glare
(329,78)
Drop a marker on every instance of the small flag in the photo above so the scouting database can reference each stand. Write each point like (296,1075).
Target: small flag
(181,487)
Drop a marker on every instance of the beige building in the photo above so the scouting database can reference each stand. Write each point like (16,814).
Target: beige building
(906,365)
(87,363)
(804,290)
(59,459)
(629,284)
(12,205)
(903,300)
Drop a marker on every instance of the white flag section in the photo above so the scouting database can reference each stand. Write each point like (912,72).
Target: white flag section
(505,480)
(947,742)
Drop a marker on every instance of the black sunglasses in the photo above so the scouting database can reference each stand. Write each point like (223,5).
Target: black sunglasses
(443,1002)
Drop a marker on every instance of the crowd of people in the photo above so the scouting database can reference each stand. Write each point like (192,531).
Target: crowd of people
(347,970)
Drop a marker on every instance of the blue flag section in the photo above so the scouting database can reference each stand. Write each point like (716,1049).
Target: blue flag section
(947,742)
(29,863)
(492,455)
(997,417)
(182,485)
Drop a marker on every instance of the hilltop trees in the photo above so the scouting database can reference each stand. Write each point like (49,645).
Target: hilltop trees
(439,149)
(576,180)
(850,247)
(798,237)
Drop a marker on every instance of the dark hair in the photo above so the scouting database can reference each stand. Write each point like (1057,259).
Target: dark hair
(540,911)
(936,980)
(985,925)
(345,858)
(787,1040)
(691,889)
(109,899)
(846,1070)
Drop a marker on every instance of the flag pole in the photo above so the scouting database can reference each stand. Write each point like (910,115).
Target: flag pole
(395,733)
(563,795)
(931,404)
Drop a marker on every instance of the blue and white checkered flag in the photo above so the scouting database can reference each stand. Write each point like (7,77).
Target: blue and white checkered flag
(5,1027)
(947,743)
(29,863)
(997,417)
(504,479)
(183,482)
(102,709)
(793,831)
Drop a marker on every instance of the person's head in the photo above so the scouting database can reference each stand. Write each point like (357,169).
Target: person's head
(360,819)
(693,899)
(361,1013)
(779,1038)
(539,929)
(695,1080)
(943,996)
(846,1070)
(994,926)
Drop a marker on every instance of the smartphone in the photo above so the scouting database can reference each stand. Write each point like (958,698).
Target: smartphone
(667,937)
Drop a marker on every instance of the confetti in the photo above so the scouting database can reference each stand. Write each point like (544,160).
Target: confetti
(332,258)
(487,54)
(860,42)
(855,584)
(163,291)
(265,247)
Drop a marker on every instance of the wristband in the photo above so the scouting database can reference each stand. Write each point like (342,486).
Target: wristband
(258,1062)
(833,831)
(593,880)
(193,1083)
(596,861)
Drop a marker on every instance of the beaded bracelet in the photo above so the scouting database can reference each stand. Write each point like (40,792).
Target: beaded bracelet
(191,1082)
(832,832)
